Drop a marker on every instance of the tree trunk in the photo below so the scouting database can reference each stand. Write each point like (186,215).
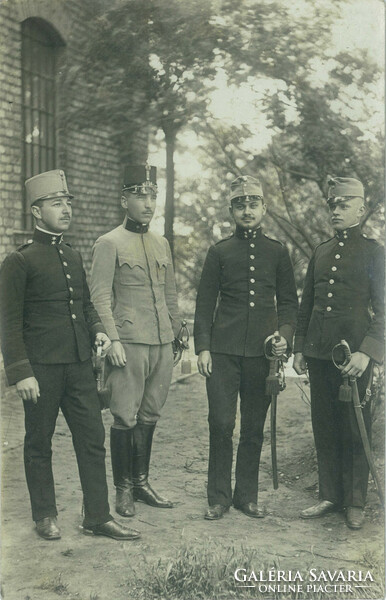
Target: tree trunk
(170,138)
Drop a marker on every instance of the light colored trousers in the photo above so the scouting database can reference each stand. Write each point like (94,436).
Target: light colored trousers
(139,389)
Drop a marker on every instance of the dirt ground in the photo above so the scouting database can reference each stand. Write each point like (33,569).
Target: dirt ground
(88,568)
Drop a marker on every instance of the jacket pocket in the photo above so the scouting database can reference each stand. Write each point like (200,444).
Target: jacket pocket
(162,264)
(132,270)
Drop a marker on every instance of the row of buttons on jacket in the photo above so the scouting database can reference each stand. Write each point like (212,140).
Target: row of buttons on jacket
(334,268)
(252,280)
(68,277)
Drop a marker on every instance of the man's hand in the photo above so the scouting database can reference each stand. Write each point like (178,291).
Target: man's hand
(117,354)
(28,389)
(204,363)
(102,337)
(299,364)
(357,365)
(279,347)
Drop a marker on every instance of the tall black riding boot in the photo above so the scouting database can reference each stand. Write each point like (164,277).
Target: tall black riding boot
(142,441)
(121,444)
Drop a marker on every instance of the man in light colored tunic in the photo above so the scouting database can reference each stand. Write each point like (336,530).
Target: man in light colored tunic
(133,289)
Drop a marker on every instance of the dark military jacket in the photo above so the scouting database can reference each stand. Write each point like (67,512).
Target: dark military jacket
(250,278)
(46,313)
(343,297)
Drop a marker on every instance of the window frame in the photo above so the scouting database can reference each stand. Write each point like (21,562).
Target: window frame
(40,43)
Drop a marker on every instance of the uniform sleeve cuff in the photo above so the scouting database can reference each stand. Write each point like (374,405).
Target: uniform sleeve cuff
(18,371)
(299,343)
(287,331)
(373,348)
(97,328)
(199,347)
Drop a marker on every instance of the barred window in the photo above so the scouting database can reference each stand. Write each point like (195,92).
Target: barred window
(40,43)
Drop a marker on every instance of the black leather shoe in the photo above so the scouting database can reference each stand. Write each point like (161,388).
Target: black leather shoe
(114,530)
(216,512)
(48,529)
(318,510)
(251,510)
(355,517)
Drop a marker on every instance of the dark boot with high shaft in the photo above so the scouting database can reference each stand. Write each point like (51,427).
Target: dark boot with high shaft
(142,442)
(121,444)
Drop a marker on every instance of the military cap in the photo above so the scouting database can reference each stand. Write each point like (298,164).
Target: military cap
(47,185)
(343,187)
(140,179)
(245,185)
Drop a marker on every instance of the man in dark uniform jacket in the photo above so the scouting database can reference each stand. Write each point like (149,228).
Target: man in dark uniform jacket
(48,327)
(250,278)
(345,279)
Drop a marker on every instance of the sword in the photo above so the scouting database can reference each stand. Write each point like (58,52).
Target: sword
(274,384)
(180,343)
(98,366)
(343,346)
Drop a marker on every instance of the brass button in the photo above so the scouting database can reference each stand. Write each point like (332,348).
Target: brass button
(65,264)
(341,243)
(333,268)
(73,316)
(251,268)
(72,302)
(252,256)
(331,281)
(329,294)
(68,276)
(252,292)
(252,245)
(337,256)
(252,304)
(71,289)
(252,280)
(328,308)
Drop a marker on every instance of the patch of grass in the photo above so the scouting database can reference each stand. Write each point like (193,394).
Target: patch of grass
(206,572)
(56,585)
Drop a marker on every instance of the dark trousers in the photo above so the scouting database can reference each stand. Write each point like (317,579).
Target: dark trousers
(233,375)
(342,464)
(72,388)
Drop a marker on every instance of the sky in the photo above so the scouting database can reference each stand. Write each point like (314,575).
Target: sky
(361,26)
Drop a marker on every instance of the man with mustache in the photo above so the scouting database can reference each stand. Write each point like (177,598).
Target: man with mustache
(133,289)
(344,281)
(247,292)
(48,321)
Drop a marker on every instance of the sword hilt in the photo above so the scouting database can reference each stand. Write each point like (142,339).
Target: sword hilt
(336,354)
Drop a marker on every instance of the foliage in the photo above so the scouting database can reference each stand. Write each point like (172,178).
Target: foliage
(152,65)
(317,105)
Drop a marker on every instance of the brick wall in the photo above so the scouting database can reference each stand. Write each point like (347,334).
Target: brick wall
(89,157)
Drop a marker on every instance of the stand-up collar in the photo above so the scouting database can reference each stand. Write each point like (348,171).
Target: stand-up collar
(135,227)
(349,233)
(45,237)
(247,234)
